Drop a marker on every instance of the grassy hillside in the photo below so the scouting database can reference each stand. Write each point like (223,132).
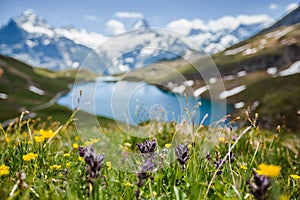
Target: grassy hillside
(16,79)
(277,49)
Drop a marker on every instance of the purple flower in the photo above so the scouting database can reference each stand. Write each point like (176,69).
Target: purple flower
(94,162)
(147,146)
(182,153)
(260,186)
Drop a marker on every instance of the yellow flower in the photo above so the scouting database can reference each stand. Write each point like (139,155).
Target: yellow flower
(189,146)
(45,177)
(29,156)
(68,164)
(77,138)
(29,142)
(127,184)
(154,193)
(66,155)
(269,170)
(80,158)
(55,167)
(244,167)
(222,139)
(60,175)
(47,134)
(7,139)
(39,138)
(108,164)
(92,141)
(4,170)
(75,145)
(295,176)
(168,145)
(127,144)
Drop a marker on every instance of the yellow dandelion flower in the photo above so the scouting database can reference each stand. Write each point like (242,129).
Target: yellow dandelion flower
(57,167)
(77,138)
(189,146)
(168,145)
(60,175)
(29,156)
(39,138)
(75,145)
(269,170)
(127,184)
(47,134)
(108,164)
(66,155)
(29,142)
(244,167)
(68,164)
(295,176)
(7,139)
(4,170)
(80,158)
(222,139)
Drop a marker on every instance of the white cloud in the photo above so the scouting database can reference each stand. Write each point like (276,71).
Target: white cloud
(292,6)
(184,26)
(273,6)
(129,15)
(90,17)
(115,27)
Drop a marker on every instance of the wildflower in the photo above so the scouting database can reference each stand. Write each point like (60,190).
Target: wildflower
(29,156)
(57,167)
(66,155)
(92,141)
(222,139)
(295,176)
(189,146)
(147,146)
(108,164)
(4,170)
(269,170)
(243,167)
(182,153)
(22,177)
(7,139)
(154,194)
(127,184)
(39,138)
(68,164)
(75,145)
(145,171)
(208,156)
(260,186)
(47,134)
(168,145)
(80,158)
(77,138)
(126,144)
(94,162)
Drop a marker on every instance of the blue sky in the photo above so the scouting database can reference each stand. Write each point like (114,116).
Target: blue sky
(93,15)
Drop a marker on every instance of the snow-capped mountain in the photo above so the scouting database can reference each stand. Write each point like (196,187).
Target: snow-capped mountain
(217,35)
(143,46)
(31,39)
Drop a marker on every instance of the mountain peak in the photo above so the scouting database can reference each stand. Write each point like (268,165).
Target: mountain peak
(141,23)
(30,17)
